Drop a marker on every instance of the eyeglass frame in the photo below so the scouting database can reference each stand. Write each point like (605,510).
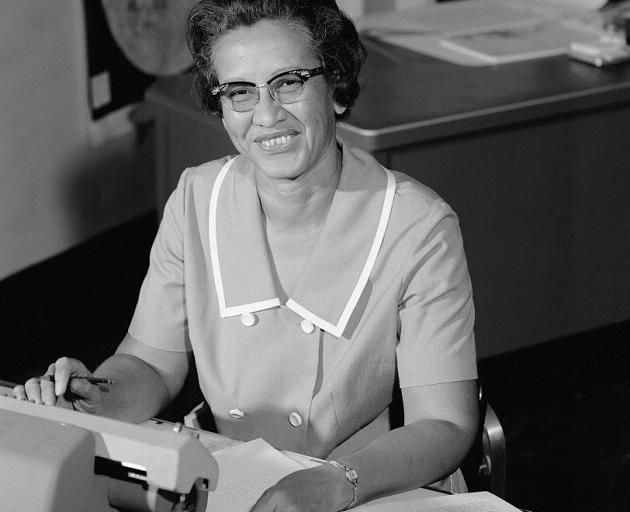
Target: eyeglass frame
(305,74)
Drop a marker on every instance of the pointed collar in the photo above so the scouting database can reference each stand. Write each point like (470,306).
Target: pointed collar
(342,260)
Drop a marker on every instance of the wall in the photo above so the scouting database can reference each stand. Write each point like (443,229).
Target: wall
(57,188)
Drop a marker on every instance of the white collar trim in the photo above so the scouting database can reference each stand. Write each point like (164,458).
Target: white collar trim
(334,329)
(337,330)
(224,310)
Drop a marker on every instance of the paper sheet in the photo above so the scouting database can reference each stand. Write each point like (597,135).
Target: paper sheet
(449,17)
(466,15)
(519,43)
(471,502)
(246,470)
(433,29)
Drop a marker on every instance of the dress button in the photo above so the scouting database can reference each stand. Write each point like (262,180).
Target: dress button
(237,414)
(295,419)
(307,326)
(248,319)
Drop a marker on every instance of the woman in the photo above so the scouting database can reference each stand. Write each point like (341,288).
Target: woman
(303,277)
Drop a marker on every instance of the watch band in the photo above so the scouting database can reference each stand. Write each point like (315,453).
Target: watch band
(352,477)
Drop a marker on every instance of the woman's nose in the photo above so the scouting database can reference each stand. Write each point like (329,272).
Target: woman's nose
(267,111)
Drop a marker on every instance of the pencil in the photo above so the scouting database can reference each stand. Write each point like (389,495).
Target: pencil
(96,380)
(92,380)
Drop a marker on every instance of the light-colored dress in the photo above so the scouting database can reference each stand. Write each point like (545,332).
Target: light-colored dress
(385,294)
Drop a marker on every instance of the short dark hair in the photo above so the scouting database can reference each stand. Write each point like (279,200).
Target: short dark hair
(333,37)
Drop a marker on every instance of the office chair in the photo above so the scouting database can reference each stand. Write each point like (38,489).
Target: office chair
(484,466)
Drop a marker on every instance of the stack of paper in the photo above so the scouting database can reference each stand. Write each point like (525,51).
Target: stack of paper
(522,42)
(482,32)
(245,471)
(471,502)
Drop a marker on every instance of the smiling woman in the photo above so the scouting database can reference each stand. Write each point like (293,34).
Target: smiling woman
(284,139)
(303,279)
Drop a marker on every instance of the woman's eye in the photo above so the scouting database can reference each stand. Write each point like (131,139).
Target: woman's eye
(290,83)
(235,93)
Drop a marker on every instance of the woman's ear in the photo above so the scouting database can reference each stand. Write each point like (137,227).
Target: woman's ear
(339,109)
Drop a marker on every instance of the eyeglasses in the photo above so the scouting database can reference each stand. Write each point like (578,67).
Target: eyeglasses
(285,88)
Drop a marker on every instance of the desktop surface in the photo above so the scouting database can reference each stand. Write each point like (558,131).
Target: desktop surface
(409,97)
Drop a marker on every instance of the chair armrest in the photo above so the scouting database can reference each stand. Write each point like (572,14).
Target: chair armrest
(493,442)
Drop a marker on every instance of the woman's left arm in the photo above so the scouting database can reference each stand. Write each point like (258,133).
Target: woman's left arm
(436,367)
(440,426)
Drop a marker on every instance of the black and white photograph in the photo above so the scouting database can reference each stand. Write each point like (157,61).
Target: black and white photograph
(315,255)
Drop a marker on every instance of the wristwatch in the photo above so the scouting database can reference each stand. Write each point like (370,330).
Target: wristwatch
(352,477)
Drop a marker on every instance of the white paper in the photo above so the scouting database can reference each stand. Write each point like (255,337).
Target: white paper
(303,460)
(520,43)
(471,502)
(246,470)
(215,442)
(463,15)
(429,29)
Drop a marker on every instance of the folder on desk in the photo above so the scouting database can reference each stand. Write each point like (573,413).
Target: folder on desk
(483,32)
(522,42)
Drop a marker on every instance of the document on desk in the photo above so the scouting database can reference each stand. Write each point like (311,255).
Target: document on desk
(527,41)
(469,502)
(484,32)
(246,470)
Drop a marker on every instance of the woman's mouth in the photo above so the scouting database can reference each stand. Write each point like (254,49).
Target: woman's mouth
(277,142)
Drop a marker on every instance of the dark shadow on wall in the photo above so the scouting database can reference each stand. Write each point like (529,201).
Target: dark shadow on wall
(111,183)
(78,303)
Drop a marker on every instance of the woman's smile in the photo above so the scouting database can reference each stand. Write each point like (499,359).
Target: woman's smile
(277,142)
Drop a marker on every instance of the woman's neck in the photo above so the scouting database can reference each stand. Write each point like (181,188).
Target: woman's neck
(301,204)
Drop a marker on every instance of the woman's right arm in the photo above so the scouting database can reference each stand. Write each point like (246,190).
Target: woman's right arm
(146,376)
(145,380)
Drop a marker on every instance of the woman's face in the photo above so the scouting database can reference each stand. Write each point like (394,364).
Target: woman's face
(302,134)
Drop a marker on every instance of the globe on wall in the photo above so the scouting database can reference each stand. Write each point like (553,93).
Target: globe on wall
(151,33)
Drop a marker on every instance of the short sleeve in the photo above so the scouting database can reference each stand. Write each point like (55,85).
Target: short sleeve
(160,319)
(436,313)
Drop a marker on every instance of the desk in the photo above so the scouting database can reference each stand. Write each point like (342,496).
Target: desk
(533,156)
(170,457)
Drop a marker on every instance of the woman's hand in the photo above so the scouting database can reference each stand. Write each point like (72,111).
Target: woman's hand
(57,387)
(320,489)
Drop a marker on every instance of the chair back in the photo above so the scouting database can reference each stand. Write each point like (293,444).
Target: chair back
(484,466)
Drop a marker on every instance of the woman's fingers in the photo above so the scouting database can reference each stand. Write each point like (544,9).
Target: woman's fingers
(47,389)
(39,390)
(83,388)
(33,390)
(20,392)
(63,370)
(57,380)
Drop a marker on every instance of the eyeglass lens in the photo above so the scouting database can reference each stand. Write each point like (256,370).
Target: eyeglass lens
(284,89)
